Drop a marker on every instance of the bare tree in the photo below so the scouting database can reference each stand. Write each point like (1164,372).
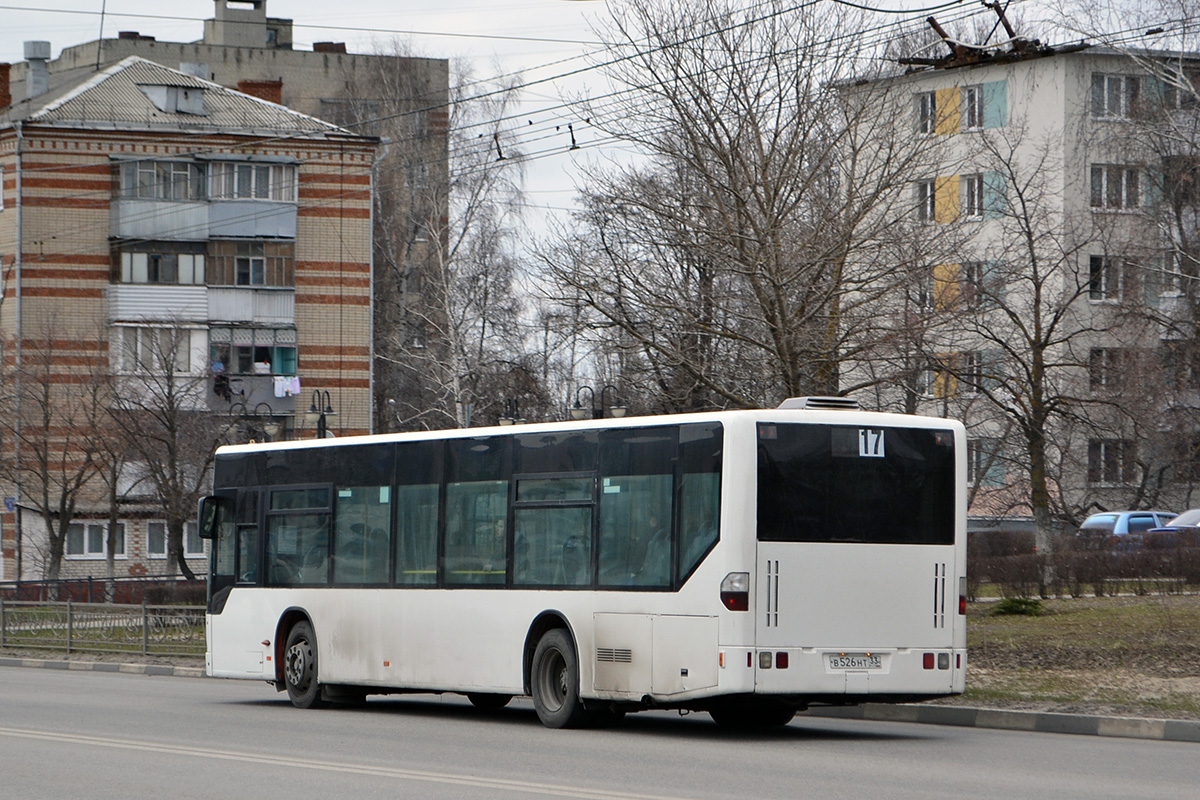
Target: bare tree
(159,408)
(715,267)
(448,345)
(58,398)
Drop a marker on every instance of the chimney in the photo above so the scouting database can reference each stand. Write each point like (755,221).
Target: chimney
(5,88)
(271,91)
(37,81)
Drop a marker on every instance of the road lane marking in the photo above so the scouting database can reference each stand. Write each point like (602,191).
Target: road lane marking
(459,779)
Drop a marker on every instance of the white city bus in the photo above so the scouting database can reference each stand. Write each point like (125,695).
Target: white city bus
(744,563)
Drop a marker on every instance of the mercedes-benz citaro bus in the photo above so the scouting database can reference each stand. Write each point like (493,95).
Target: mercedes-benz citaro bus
(744,563)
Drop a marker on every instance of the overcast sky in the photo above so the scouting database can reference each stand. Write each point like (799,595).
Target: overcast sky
(540,39)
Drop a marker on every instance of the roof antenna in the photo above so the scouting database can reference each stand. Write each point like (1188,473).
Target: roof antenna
(100,41)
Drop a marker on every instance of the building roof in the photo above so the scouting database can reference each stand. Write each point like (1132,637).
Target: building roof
(137,94)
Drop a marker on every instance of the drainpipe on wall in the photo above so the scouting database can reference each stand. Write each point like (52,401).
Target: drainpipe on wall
(19,258)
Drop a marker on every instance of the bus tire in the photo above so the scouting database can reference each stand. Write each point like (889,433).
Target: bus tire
(752,716)
(554,682)
(488,702)
(300,667)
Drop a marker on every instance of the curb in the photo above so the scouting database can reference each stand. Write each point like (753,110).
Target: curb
(166,670)
(1172,730)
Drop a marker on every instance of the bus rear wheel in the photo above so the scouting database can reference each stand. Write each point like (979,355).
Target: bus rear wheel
(554,682)
(300,667)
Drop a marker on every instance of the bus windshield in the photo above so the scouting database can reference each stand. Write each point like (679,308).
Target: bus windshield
(840,483)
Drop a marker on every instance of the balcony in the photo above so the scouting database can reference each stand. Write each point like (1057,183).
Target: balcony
(250,390)
(136,302)
(274,306)
(196,220)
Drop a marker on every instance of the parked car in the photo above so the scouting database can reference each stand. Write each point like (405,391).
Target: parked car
(1182,531)
(1110,529)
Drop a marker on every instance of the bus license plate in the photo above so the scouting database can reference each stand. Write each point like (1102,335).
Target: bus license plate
(854,661)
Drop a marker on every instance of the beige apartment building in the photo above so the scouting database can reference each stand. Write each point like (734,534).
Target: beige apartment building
(161,234)
(1055,313)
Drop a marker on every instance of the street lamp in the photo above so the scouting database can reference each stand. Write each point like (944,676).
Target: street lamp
(615,409)
(271,426)
(318,410)
(259,422)
(579,411)
(511,416)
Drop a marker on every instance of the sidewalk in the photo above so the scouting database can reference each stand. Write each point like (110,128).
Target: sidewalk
(960,716)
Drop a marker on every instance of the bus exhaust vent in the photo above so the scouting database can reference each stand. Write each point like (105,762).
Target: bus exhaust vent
(827,403)
(614,655)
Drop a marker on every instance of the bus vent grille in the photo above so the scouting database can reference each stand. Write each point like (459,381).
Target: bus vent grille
(614,655)
(831,403)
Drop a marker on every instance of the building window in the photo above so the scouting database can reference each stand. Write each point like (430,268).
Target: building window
(248,181)
(156,540)
(1106,367)
(972,196)
(1105,277)
(984,467)
(251,351)
(154,350)
(264,263)
(926,106)
(162,262)
(1114,96)
(974,283)
(162,180)
(926,201)
(1,188)
(90,540)
(1111,462)
(972,107)
(1115,187)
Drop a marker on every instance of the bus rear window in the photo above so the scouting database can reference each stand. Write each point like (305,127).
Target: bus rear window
(844,483)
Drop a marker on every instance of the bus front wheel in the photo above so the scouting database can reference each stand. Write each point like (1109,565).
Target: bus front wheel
(300,667)
(555,682)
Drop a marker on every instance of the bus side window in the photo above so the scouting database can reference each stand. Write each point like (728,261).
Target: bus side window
(361,545)
(635,530)
(247,553)
(416,534)
(699,493)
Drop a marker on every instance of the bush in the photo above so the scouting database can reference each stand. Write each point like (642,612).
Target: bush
(1019,606)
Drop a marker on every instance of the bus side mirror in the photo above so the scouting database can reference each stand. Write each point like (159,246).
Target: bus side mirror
(210,516)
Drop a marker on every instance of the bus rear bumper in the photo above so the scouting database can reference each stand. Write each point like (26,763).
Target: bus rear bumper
(865,673)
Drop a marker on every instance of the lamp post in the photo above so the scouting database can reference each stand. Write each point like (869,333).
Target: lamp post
(578,411)
(615,409)
(318,410)
(259,423)
(511,415)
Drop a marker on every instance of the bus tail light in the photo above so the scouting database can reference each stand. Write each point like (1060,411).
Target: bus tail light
(735,591)
(962,596)
(928,661)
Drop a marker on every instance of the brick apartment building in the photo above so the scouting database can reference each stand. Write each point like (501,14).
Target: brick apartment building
(142,204)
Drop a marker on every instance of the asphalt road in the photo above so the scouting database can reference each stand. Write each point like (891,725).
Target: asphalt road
(105,735)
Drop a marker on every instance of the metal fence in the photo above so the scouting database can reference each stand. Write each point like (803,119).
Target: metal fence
(102,627)
(154,590)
